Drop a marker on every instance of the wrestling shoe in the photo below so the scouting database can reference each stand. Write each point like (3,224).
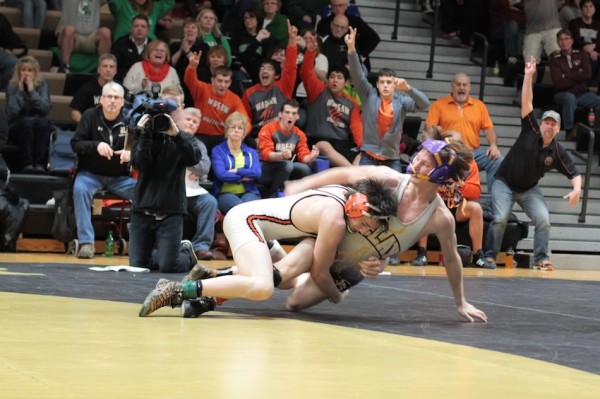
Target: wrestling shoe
(481,261)
(200,272)
(195,307)
(165,293)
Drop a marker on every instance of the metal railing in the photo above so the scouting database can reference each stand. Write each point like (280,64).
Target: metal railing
(396,16)
(478,37)
(591,136)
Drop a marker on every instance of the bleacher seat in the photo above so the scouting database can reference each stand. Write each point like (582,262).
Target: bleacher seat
(60,113)
(44,57)
(13,15)
(31,36)
(56,82)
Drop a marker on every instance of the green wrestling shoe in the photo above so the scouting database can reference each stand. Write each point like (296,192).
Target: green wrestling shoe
(165,293)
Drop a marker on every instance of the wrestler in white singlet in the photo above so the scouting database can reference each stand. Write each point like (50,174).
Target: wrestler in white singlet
(398,238)
(271,219)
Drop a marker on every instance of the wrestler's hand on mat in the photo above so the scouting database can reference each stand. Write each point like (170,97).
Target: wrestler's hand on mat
(371,267)
(470,312)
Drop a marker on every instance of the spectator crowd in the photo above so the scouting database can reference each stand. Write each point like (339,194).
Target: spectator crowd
(276,91)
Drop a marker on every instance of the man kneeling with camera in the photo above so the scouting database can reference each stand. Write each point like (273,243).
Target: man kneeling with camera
(161,154)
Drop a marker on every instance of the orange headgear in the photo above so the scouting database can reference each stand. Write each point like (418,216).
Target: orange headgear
(358,206)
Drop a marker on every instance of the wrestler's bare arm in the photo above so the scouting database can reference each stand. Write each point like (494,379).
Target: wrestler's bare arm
(332,228)
(342,175)
(443,225)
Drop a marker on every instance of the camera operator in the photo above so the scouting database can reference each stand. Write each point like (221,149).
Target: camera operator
(161,154)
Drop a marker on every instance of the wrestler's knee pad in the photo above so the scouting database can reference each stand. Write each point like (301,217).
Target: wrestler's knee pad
(276,276)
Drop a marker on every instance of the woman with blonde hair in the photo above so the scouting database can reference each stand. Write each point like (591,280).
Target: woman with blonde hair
(211,33)
(236,166)
(154,68)
(27,107)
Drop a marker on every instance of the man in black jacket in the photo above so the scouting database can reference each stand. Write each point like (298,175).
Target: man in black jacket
(161,154)
(11,46)
(366,37)
(103,161)
(128,49)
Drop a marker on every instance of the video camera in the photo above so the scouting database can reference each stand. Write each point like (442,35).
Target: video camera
(148,103)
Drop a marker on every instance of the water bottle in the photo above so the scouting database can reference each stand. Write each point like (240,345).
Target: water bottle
(109,245)
(496,69)
(510,256)
(591,117)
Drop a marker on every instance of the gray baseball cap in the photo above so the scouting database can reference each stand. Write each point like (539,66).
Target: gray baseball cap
(552,115)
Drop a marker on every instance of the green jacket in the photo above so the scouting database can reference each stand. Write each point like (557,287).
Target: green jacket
(123,12)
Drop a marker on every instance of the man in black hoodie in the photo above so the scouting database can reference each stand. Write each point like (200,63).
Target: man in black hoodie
(103,161)
(161,157)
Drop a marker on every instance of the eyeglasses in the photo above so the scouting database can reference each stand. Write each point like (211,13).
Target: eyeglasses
(113,97)
(340,27)
(338,5)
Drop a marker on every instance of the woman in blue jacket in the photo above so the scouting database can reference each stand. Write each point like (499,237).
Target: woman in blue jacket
(236,166)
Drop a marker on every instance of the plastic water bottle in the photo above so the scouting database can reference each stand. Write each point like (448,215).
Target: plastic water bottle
(109,245)
(591,117)
(510,256)
(496,69)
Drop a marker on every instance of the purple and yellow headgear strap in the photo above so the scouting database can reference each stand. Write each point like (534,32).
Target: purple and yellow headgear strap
(443,171)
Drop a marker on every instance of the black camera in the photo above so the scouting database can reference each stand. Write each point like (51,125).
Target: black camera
(158,109)
(148,103)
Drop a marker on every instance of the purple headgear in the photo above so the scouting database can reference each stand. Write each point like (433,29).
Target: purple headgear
(443,171)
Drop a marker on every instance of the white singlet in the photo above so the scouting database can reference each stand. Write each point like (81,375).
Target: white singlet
(271,219)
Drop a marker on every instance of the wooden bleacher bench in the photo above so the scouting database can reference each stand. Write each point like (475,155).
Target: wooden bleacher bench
(31,36)
(44,57)
(13,15)
(56,82)
(60,113)
(52,19)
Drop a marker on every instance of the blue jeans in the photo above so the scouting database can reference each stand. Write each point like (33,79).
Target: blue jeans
(508,33)
(86,185)
(32,11)
(229,200)
(489,165)
(204,208)
(7,65)
(533,203)
(568,103)
(274,174)
(145,232)
(32,136)
(366,159)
